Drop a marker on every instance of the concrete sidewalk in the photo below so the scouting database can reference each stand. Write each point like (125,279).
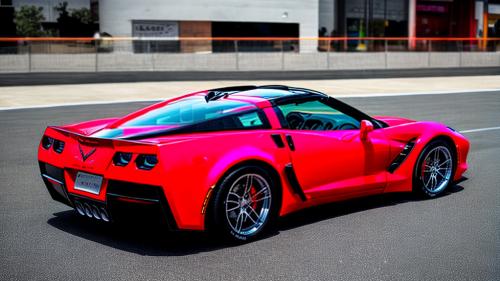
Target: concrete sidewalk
(47,95)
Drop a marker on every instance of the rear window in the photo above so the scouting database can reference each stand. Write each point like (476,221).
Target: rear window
(192,110)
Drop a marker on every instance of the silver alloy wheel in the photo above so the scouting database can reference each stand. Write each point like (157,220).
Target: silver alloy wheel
(436,169)
(248,204)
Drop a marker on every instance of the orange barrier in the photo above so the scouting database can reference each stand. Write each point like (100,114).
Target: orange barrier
(48,39)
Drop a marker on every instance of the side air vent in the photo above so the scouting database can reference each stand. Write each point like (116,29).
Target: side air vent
(401,157)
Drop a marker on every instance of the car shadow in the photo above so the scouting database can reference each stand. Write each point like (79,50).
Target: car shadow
(155,241)
(338,209)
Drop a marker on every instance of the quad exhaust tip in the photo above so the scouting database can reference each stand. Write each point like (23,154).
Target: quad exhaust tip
(92,211)
(88,210)
(79,208)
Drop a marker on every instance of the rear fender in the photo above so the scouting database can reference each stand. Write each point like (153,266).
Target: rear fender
(290,201)
(195,165)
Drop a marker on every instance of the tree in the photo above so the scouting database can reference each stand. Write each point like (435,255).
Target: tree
(29,21)
(83,15)
(77,22)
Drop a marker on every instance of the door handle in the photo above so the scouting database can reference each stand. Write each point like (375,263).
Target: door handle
(289,141)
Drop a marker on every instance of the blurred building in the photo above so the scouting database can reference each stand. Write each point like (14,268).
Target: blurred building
(7,26)
(171,19)
(49,12)
(210,18)
(490,14)
(49,6)
(294,18)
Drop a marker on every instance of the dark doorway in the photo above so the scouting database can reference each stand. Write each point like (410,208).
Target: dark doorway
(253,29)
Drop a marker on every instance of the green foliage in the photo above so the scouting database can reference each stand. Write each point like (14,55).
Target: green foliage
(28,21)
(75,22)
(62,8)
(83,15)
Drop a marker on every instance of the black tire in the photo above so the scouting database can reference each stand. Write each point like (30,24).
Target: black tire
(422,183)
(219,221)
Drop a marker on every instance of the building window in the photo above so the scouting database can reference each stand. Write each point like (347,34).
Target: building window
(5,2)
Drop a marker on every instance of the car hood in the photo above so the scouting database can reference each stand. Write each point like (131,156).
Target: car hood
(394,121)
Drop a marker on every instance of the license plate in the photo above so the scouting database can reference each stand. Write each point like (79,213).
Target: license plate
(88,182)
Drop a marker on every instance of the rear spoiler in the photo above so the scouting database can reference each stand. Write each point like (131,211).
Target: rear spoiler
(55,131)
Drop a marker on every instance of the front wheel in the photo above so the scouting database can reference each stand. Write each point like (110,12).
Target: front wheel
(434,169)
(245,204)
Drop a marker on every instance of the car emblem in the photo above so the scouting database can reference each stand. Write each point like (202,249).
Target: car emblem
(85,155)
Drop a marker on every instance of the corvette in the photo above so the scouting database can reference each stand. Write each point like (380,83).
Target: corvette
(233,160)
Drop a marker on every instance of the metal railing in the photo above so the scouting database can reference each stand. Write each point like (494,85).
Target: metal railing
(243,44)
(128,53)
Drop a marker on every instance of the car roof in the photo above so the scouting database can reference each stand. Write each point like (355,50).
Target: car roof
(270,93)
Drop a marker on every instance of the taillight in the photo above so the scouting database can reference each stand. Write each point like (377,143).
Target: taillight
(146,161)
(58,146)
(122,158)
(47,142)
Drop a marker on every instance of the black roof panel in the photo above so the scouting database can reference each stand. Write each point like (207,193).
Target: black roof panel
(265,93)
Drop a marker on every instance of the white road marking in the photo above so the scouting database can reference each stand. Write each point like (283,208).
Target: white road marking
(77,104)
(479,130)
(494,91)
(417,93)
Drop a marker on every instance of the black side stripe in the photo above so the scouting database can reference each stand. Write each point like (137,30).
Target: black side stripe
(294,183)
(289,140)
(401,156)
(278,140)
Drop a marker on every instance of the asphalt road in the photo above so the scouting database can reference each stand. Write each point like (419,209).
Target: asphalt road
(54,78)
(392,237)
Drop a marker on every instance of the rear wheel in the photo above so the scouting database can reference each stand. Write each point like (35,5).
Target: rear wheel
(434,169)
(245,204)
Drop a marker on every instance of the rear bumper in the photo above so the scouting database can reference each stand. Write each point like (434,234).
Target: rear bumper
(124,201)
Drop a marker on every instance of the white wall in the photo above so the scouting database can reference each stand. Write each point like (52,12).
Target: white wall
(23,63)
(116,15)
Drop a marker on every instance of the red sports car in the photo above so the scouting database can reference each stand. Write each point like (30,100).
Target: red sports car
(233,160)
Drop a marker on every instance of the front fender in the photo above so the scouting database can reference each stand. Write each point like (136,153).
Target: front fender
(401,180)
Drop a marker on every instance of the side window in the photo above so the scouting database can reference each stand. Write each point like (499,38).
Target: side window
(250,120)
(315,115)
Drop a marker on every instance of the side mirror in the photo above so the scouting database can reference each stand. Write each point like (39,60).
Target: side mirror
(366,127)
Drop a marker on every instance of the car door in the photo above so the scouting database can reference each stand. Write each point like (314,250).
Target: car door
(329,157)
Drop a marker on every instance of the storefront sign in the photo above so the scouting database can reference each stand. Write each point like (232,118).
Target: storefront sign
(432,8)
(155,29)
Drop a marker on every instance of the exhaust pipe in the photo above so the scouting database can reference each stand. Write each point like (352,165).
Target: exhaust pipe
(104,215)
(92,211)
(95,212)
(88,210)
(79,208)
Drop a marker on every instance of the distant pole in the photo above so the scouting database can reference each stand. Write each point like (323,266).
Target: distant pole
(97,37)
(367,17)
(29,56)
(237,57)
(412,24)
(386,23)
(484,42)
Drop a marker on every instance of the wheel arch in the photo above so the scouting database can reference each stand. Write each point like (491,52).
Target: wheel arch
(454,153)
(273,173)
(402,180)
(450,142)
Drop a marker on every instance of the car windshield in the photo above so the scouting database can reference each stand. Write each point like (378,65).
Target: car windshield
(189,111)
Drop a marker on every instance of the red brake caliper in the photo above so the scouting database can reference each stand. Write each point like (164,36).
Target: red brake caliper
(252,193)
(422,169)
